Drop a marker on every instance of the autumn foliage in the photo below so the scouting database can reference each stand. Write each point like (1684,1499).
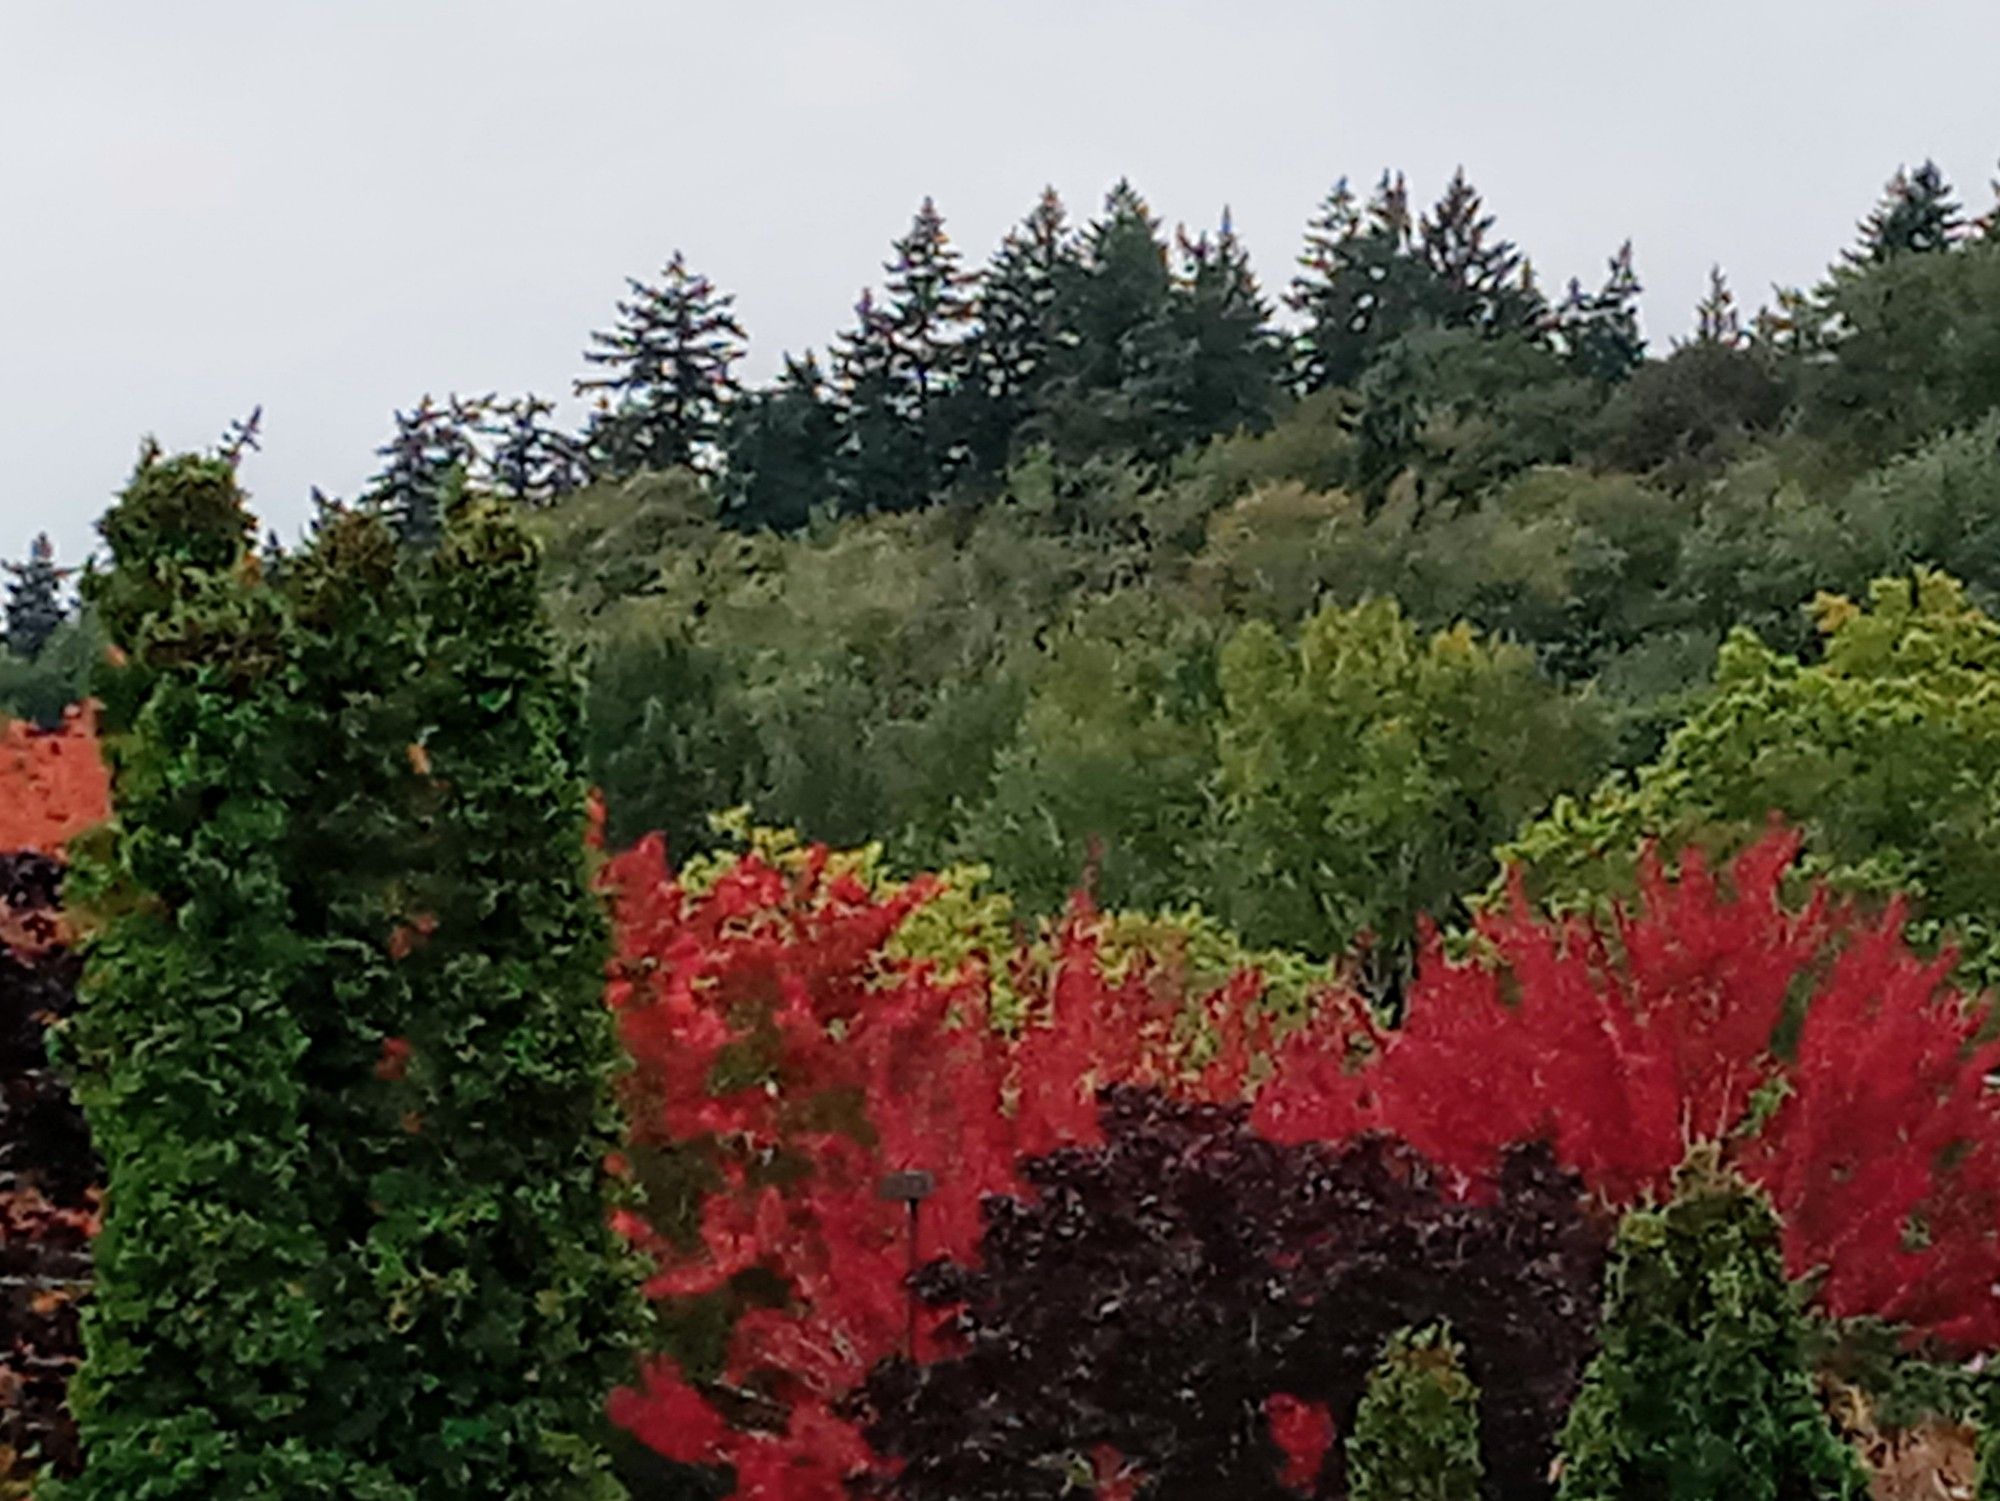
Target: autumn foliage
(53,783)
(785,1063)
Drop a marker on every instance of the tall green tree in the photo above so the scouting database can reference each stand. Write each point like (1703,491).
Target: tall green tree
(1702,1387)
(1598,332)
(423,466)
(35,608)
(780,445)
(1477,280)
(882,461)
(1232,362)
(668,362)
(1917,215)
(1360,284)
(1025,299)
(205,1340)
(1717,324)
(533,462)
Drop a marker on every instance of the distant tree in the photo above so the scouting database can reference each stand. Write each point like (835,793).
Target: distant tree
(1112,386)
(1477,281)
(423,464)
(533,462)
(668,362)
(930,306)
(1598,332)
(1716,322)
(1232,362)
(1021,326)
(780,446)
(1360,284)
(880,461)
(1916,215)
(35,606)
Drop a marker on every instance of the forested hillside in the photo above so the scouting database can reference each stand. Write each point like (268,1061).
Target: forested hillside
(1293,599)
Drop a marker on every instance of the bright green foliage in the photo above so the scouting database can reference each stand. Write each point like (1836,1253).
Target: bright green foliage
(1416,1432)
(1886,752)
(204,1342)
(1368,771)
(1702,1389)
(506,1310)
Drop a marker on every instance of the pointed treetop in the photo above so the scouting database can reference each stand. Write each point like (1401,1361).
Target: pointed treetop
(1716,321)
(1916,215)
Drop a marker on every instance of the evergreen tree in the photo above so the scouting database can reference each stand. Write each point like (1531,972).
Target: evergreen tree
(1113,386)
(534,462)
(668,361)
(35,606)
(423,464)
(1360,285)
(1232,362)
(881,459)
(1024,297)
(1917,215)
(1716,323)
(1599,331)
(1702,1388)
(204,1340)
(781,445)
(929,306)
(1416,1432)
(1477,281)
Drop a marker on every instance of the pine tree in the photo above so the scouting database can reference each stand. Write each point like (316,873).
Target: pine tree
(669,360)
(423,465)
(1360,284)
(1112,386)
(1416,1432)
(1916,216)
(1716,323)
(1021,328)
(35,606)
(781,445)
(930,307)
(1701,1388)
(1477,281)
(1599,332)
(1232,362)
(533,462)
(881,459)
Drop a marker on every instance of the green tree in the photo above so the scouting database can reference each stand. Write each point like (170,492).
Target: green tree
(780,446)
(1024,297)
(533,462)
(1885,751)
(1416,1432)
(1232,363)
(1360,283)
(35,608)
(508,1309)
(1367,771)
(1598,332)
(669,362)
(424,465)
(1476,280)
(1716,321)
(1917,215)
(205,1340)
(883,461)
(1702,1388)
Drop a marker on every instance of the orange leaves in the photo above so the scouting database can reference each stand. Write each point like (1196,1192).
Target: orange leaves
(394,1063)
(406,938)
(53,783)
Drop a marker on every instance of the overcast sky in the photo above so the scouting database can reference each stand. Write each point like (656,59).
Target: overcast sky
(333,206)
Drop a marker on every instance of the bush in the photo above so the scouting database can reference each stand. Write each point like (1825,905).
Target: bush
(1701,1388)
(1416,1432)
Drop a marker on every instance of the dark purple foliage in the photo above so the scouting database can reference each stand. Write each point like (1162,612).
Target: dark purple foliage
(1165,1284)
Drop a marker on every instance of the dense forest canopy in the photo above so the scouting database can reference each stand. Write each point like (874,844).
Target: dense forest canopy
(1288,601)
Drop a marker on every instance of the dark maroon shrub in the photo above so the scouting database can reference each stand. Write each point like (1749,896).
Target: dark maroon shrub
(1159,1290)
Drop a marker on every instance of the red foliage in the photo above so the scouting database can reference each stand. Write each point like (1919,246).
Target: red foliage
(771,1031)
(1623,1047)
(53,783)
(1304,1430)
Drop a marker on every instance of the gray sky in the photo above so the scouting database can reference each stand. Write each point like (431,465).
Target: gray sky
(333,206)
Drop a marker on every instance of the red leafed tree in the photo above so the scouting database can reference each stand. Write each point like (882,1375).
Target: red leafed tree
(794,1064)
(1689,1018)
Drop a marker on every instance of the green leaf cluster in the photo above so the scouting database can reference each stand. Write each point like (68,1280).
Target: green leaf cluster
(1702,1387)
(1416,1431)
